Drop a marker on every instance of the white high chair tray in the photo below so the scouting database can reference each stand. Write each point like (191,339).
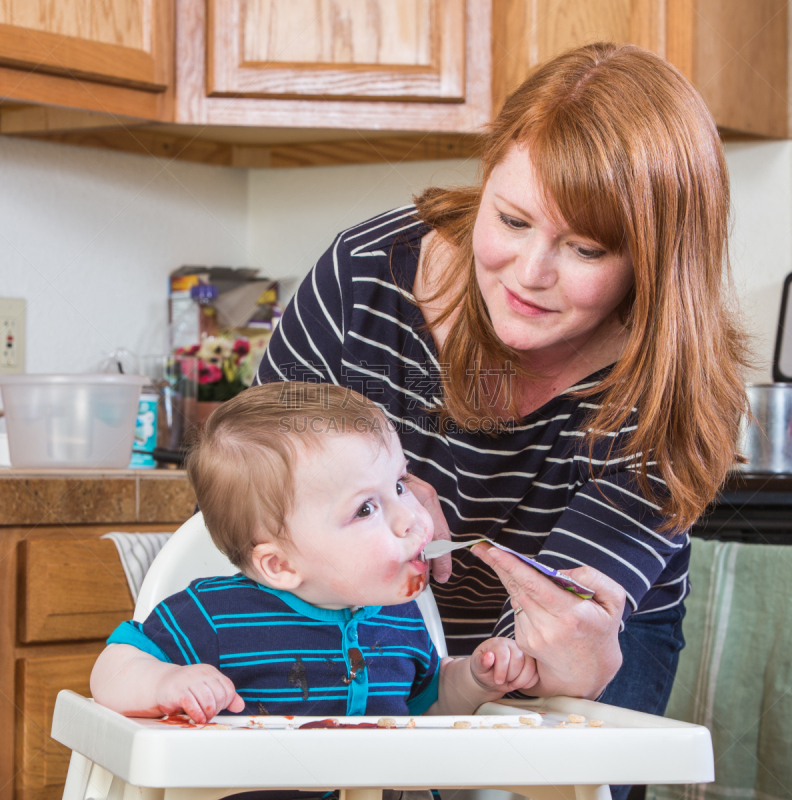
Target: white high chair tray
(257,752)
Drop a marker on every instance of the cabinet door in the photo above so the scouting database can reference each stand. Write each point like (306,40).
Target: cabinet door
(72,589)
(42,763)
(734,52)
(385,49)
(526,33)
(353,64)
(738,60)
(78,52)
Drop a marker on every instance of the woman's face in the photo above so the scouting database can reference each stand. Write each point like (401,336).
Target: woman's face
(551,293)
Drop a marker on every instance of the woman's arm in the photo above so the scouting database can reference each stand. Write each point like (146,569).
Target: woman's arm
(575,642)
(137,684)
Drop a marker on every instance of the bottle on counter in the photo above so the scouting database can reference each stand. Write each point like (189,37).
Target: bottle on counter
(204,296)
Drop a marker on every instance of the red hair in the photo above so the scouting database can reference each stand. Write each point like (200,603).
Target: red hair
(626,150)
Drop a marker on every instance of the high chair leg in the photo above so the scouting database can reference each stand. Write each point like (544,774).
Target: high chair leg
(77,777)
(592,792)
(360,794)
(121,790)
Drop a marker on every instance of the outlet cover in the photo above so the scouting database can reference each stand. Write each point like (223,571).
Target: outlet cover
(12,335)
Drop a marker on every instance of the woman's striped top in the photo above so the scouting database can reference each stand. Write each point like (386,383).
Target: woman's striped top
(353,322)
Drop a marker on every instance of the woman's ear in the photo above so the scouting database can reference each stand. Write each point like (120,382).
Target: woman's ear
(273,567)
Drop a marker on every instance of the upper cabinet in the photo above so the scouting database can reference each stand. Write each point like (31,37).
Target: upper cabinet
(114,56)
(736,52)
(347,50)
(366,64)
(279,82)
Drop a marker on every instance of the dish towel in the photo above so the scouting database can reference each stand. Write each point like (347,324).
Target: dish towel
(137,551)
(735,674)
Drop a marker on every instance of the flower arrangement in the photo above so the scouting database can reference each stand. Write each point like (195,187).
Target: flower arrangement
(223,367)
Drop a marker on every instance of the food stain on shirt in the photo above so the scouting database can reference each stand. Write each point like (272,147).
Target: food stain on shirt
(298,677)
(356,664)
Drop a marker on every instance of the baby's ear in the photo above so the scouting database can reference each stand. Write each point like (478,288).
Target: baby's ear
(272,566)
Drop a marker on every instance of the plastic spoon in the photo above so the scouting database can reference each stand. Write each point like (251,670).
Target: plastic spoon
(441,547)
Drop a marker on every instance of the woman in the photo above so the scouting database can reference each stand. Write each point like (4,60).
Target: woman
(557,353)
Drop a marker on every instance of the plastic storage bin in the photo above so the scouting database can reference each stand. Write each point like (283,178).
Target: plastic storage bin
(70,421)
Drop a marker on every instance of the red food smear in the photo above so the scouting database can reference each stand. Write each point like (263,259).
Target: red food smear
(334,723)
(414,585)
(181,721)
(178,720)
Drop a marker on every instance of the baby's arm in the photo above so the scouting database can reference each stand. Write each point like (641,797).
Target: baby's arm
(137,684)
(496,667)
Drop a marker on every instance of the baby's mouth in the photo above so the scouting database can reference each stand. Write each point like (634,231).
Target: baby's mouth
(418,561)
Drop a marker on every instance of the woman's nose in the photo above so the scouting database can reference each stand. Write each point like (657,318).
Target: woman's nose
(535,267)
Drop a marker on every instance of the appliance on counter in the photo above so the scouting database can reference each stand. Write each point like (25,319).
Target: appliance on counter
(755,504)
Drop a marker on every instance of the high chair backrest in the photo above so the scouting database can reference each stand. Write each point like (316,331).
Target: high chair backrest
(190,553)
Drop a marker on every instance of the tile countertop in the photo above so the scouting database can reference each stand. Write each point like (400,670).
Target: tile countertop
(47,497)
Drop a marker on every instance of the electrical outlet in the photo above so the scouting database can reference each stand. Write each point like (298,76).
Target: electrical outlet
(12,335)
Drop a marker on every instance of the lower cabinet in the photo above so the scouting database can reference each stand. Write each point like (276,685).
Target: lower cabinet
(43,762)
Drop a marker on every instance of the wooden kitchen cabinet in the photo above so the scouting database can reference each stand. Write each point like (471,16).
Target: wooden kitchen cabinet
(302,82)
(420,65)
(112,56)
(736,53)
(62,592)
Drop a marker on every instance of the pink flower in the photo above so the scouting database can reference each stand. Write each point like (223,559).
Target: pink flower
(187,351)
(209,373)
(241,347)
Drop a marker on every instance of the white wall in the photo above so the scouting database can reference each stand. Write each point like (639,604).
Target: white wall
(88,238)
(761,240)
(294,214)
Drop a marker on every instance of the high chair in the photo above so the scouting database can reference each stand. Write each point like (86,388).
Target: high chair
(118,758)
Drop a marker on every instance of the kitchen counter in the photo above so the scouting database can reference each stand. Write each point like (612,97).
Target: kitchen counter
(62,592)
(750,508)
(84,497)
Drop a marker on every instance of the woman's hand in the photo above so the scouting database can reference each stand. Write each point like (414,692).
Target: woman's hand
(427,497)
(575,642)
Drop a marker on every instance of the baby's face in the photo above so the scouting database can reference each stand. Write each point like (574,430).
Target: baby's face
(357,528)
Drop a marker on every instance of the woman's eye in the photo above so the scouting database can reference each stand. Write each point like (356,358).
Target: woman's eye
(590,254)
(400,487)
(366,510)
(512,222)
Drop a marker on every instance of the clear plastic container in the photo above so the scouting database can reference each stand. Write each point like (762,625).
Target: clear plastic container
(71,421)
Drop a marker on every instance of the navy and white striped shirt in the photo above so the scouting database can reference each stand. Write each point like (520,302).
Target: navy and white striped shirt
(352,324)
(286,656)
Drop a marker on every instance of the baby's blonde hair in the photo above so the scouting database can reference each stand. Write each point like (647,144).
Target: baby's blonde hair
(241,465)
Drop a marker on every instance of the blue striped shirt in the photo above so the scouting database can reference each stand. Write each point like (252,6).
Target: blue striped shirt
(354,322)
(286,656)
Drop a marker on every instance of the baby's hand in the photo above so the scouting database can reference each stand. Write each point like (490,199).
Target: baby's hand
(199,690)
(500,666)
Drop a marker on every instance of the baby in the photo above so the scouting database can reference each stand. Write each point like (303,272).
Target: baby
(305,488)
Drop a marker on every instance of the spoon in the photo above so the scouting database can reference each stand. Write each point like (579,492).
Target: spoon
(441,547)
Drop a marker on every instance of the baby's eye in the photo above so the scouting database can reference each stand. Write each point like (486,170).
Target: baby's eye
(400,487)
(366,510)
